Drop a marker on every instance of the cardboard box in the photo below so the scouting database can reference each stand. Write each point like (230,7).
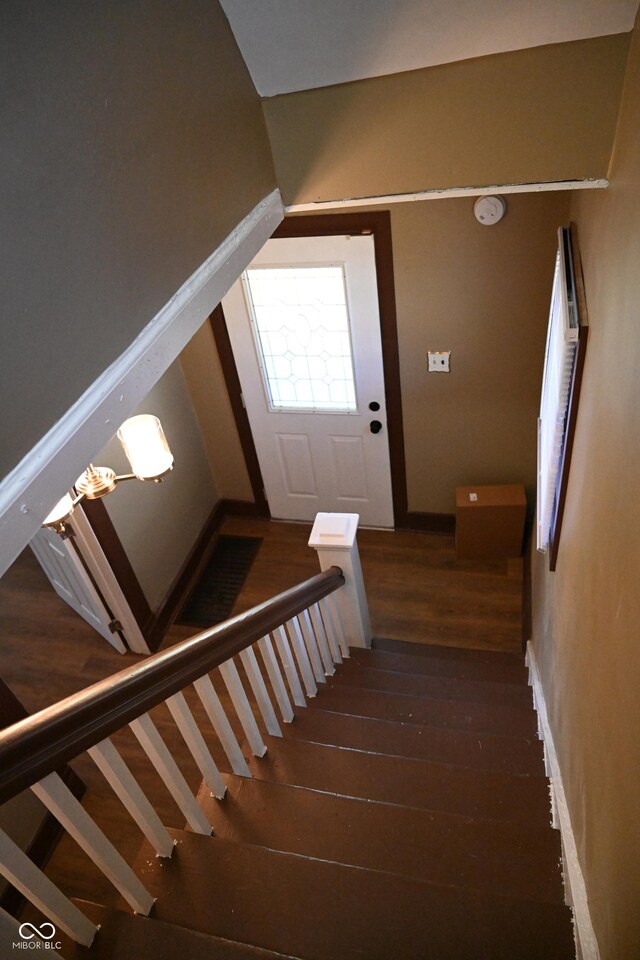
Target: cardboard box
(490,522)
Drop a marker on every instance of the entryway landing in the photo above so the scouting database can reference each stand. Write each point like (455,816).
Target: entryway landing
(417,590)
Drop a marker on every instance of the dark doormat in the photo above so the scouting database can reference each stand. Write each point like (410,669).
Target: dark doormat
(214,595)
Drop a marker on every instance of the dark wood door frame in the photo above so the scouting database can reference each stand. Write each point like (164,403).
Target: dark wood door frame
(232,381)
(378,225)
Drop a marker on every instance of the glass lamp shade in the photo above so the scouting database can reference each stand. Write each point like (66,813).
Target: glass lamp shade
(146,447)
(61,512)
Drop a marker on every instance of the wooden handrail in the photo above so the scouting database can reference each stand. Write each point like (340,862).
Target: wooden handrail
(41,743)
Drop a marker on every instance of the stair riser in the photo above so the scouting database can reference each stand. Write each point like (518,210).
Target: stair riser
(434,665)
(451,652)
(324,911)
(438,688)
(414,783)
(438,744)
(474,717)
(125,936)
(511,859)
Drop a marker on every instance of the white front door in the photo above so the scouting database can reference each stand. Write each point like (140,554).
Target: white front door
(305,330)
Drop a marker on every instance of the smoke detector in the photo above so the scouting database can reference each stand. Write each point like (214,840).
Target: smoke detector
(489,210)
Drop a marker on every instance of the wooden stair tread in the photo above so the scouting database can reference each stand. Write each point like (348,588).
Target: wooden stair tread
(510,859)
(433,664)
(328,911)
(443,652)
(404,708)
(362,673)
(403,781)
(480,751)
(127,936)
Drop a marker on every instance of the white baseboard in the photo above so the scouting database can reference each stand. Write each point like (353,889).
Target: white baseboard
(52,465)
(576,891)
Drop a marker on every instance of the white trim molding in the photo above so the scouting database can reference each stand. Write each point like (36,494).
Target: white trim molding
(448,193)
(50,468)
(575,888)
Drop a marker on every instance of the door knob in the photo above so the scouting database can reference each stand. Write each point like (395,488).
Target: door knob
(375,426)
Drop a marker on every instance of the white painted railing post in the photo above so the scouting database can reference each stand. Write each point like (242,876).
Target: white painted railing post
(334,537)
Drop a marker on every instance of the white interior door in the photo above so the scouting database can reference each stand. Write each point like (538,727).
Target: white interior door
(75,567)
(305,330)
(70,580)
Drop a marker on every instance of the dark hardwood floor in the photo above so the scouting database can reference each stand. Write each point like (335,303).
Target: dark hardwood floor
(417,592)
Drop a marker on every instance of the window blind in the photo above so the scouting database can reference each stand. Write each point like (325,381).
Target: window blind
(559,366)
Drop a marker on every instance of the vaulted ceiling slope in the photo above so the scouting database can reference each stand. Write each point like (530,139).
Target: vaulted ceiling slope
(300,44)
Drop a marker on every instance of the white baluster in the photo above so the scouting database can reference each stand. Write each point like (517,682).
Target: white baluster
(328,645)
(311,645)
(126,788)
(282,643)
(31,882)
(331,606)
(12,932)
(301,655)
(254,676)
(334,537)
(329,629)
(275,676)
(233,683)
(221,725)
(145,732)
(68,811)
(188,727)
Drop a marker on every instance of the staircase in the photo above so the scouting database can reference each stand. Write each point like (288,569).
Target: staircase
(404,814)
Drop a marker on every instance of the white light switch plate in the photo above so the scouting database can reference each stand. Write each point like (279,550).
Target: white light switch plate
(439,362)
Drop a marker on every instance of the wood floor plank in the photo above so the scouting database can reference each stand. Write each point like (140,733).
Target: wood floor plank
(125,936)
(407,782)
(498,718)
(357,673)
(418,591)
(327,911)
(480,751)
(511,859)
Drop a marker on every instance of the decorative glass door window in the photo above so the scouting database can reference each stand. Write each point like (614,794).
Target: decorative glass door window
(300,319)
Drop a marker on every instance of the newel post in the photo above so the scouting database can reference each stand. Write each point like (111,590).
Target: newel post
(334,537)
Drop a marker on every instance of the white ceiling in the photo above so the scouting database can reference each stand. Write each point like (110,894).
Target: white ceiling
(298,44)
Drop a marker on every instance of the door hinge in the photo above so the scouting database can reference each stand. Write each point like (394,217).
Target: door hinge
(115,626)
(242,400)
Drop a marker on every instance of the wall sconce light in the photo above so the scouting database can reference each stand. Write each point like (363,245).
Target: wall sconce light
(149,456)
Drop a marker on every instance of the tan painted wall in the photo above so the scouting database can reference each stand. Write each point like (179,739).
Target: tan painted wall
(159,523)
(132,143)
(483,293)
(547,113)
(587,614)
(202,371)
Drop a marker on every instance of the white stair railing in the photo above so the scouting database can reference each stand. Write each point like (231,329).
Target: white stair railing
(310,638)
